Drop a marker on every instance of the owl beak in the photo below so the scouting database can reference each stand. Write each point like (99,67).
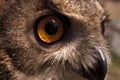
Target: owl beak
(102,66)
(99,71)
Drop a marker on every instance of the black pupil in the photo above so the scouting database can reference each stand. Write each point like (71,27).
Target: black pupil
(51,27)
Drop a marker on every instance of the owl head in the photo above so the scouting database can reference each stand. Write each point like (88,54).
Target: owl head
(53,39)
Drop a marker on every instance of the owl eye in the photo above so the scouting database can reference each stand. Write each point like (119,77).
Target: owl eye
(105,22)
(50,29)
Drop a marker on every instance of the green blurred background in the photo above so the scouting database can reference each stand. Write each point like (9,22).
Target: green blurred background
(113,31)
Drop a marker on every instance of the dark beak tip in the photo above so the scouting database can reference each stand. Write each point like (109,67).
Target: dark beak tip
(102,68)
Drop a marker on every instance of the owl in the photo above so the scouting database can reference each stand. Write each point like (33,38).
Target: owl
(52,40)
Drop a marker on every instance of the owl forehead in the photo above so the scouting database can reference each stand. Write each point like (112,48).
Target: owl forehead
(79,6)
(82,9)
(89,11)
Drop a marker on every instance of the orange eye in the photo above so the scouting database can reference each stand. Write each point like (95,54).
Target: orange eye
(50,29)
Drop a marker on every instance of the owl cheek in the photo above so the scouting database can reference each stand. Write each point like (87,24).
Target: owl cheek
(98,72)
